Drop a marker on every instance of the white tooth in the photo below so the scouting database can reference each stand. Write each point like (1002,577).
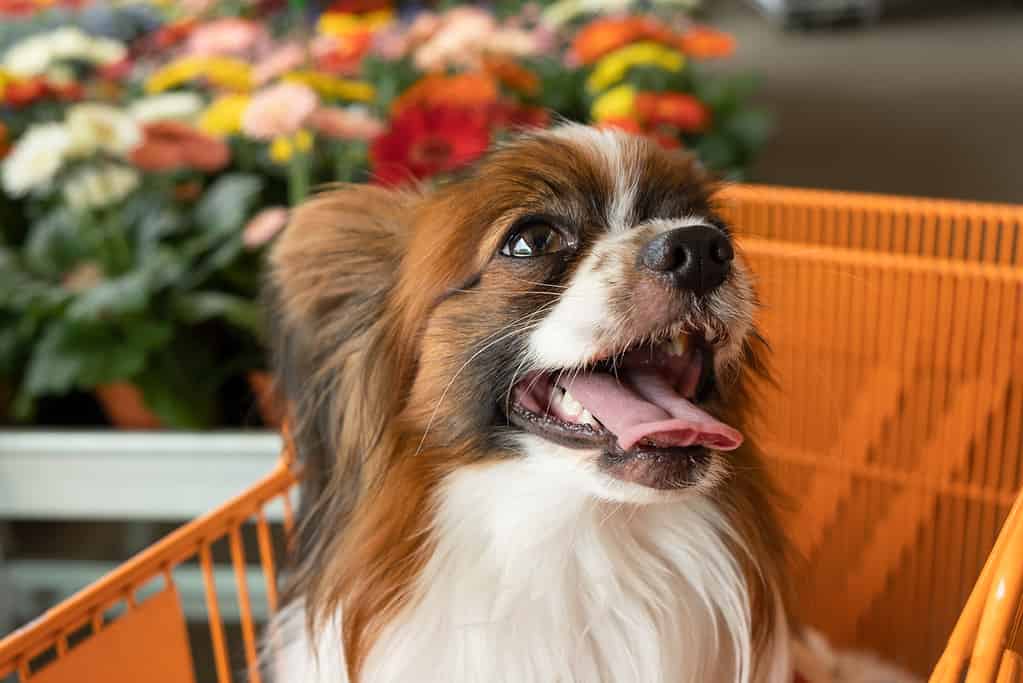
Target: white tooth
(586,418)
(569,405)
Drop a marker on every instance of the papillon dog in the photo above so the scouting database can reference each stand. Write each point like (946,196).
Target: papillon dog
(521,400)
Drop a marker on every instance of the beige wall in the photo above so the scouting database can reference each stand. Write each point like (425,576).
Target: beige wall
(930,106)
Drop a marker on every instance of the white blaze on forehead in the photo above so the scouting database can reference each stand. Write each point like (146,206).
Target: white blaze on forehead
(610,148)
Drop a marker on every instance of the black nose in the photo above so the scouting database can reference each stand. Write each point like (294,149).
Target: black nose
(696,258)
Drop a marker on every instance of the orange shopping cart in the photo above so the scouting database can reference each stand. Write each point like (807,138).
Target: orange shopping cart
(896,426)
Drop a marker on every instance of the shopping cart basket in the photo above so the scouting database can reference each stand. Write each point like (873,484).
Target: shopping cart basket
(896,428)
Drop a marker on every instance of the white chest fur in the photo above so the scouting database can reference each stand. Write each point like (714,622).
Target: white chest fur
(533,580)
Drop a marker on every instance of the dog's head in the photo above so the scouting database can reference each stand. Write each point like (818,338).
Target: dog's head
(574,300)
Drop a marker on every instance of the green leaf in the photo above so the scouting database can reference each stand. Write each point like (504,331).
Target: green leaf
(227,204)
(72,354)
(52,247)
(52,369)
(201,306)
(115,297)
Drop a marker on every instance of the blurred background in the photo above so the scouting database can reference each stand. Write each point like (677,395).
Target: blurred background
(151,151)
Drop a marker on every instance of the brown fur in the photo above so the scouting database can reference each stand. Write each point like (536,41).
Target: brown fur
(366,284)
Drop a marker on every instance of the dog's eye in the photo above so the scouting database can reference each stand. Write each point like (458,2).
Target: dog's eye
(535,239)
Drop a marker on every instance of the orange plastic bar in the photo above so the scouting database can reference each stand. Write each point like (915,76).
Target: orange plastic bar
(266,558)
(961,642)
(213,610)
(1000,609)
(168,552)
(244,605)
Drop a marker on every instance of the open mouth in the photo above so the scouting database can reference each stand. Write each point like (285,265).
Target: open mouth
(642,407)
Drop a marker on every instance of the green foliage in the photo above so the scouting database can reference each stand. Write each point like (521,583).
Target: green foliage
(155,312)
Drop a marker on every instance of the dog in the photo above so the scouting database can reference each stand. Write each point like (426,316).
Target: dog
(522,401)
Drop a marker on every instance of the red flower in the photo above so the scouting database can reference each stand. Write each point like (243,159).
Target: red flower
(115,71)
(422,142)
(171,34)
(23,93)
(679,110)
(67,92)
(5,143)
(171,145)
(18,8)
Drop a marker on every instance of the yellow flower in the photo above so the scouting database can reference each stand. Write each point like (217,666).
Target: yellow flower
(332,87)
(224,72)
(339,24)
(230,74)
(174,74)
(284,147)
(613,67)
(616,103)
(224,116)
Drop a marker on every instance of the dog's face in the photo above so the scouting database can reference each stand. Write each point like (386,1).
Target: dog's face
(574,302)
(582,304)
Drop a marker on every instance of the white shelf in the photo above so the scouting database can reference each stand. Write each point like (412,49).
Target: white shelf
(136,476)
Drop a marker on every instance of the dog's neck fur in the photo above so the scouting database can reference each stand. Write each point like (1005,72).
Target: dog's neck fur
(532,579)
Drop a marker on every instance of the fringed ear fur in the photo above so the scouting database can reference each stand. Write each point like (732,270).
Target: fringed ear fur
(335,363)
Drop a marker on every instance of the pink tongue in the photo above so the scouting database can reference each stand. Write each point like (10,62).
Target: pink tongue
(648,408)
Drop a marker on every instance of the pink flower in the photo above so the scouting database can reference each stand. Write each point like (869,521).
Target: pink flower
(279,110)
(461,36)
(226,37)
(353,123)
(279,61)
(264,226)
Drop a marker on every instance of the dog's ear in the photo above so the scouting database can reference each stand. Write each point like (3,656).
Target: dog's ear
(334,355)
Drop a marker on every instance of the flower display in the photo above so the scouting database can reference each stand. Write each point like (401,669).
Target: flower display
(142,180)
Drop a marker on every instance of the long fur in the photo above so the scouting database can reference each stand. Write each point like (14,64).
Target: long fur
(433,546)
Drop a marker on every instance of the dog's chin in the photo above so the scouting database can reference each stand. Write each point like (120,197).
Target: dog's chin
(638,479)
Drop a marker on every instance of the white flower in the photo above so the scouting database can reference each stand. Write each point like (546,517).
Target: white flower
(175,105)
(99,185)
(105,51)
(35,54)
(101,127)
(68,43)
(36,158)
(29,57)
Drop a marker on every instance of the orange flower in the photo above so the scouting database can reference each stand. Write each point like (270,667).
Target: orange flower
(703,42)
(681,111)
(512,75)
(607,35)
(463,90)
(171,145)
(23,93)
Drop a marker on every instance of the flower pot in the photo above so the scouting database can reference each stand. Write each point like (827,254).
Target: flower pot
(261,384)
(125,406)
